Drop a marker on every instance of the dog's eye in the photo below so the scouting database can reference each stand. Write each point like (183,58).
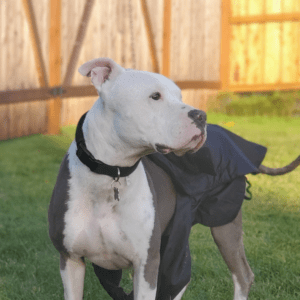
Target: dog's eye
(156,96)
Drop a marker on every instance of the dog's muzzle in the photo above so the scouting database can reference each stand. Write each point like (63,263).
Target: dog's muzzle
(199,118)
(195,142)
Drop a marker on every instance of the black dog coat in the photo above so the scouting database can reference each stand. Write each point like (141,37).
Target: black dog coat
(210,187)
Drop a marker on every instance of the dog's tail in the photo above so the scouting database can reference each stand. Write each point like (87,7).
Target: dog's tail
(280,171)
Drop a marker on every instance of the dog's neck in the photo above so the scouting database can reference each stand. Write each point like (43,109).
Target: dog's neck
(103,142)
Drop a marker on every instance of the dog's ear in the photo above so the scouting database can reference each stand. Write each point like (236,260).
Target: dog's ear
(100,70)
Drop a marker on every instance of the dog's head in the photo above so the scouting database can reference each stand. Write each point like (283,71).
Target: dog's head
(146,109)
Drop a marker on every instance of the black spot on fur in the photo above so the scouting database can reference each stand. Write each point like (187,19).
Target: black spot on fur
(58,207)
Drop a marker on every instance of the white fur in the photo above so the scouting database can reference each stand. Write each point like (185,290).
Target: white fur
(93,210)
(238,295)
(73,279)
(142,288)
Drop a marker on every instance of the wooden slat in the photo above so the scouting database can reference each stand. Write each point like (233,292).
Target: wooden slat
(54,106)
(79,91)
(253,72)
(263,50)
(297,60)
(5,124)
(225,44)
(265,18)
(150,36)
(208,42)
(78,42)
(255,7)
(200,99)
(18,124)
(272,52)
(253,43)
(264,87)
(247,46)
(210,85)
(36,42)
(166,37)
(17,96)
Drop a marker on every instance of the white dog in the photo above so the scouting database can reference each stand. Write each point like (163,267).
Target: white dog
(103,206)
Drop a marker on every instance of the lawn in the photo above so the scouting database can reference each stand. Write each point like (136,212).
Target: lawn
(29,267)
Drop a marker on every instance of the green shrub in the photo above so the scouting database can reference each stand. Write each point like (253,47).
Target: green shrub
(267,104)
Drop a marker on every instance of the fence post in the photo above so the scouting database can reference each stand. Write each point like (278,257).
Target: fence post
(225,44)
(54,104)
(166,37)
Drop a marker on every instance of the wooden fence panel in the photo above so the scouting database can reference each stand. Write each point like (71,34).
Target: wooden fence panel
(109,34)
(195,47)
(253,45)
(109,31)
(116,29)
(254,55)
(237,52)
(265,45)
(239,8)
(4,122)
(199,97)
(212,35)
(41,11)
(17,71)
(291,49)
(272,53)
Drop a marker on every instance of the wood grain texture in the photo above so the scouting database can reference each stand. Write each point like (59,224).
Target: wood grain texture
(264,45)
(54,105)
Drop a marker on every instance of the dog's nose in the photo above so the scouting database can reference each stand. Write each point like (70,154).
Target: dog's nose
(198,116)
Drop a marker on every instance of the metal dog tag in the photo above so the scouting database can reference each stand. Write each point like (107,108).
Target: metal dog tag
(116,194)
(116,190)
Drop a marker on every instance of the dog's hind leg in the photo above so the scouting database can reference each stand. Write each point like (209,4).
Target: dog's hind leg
(72,272)
(229,240)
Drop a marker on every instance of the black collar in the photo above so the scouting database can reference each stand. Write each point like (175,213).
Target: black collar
(97,166)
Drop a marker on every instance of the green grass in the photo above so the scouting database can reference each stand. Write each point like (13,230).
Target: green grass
(29,267)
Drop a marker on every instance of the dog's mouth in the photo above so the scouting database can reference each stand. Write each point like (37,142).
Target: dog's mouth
(163,149)
(191,147)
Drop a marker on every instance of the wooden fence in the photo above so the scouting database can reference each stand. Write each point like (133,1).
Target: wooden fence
(263,48)
(203,45)
(43,42)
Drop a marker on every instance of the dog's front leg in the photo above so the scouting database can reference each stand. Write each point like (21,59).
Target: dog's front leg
(72,272)
(145,280)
